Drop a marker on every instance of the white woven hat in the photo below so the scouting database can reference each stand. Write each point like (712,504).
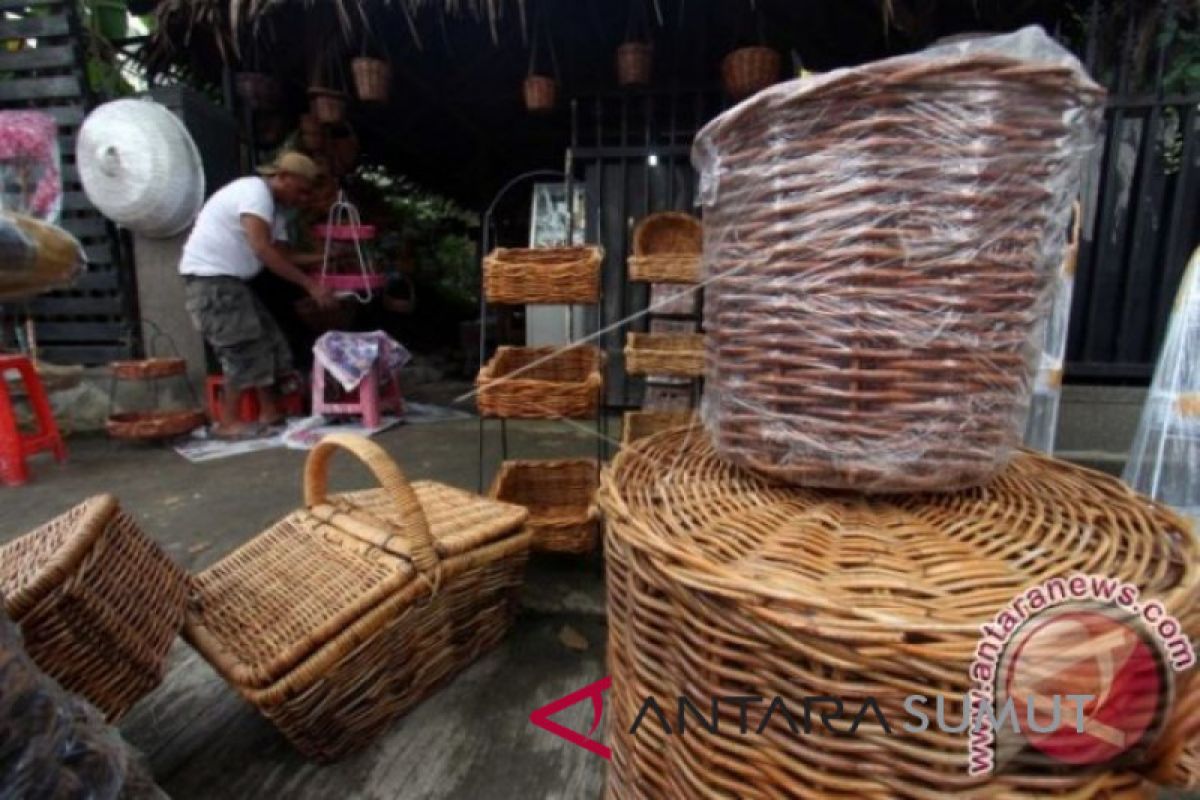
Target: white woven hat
(140,167)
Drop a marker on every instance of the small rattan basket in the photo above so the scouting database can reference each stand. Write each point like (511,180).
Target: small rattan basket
(560,497)
(880,337)
(541,383)
(748,69)
(154,425)
(543,274)
(666,248)
(722,584)
(680,354)
(640,424)
(345,614)
(148,368)
(98,602)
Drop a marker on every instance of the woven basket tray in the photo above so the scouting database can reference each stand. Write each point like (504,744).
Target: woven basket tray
(149,368)
(345,614)
(879,336)
(640,424)
(666,248)
(146,426)
(679,354)
(559,496)
(98,603)
(541,383)
(724,584)
(543,275)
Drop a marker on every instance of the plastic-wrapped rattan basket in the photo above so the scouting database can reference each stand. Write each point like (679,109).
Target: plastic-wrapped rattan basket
(723,584)
(680,354)
(541,383)
(879,244)
(666,248)
(98,602)
(543,274)
(560,497)
(346,613)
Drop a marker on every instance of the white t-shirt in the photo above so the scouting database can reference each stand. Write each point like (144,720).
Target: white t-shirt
(218,243)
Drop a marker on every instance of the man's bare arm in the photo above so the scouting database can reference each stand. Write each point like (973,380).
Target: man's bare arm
(258,234)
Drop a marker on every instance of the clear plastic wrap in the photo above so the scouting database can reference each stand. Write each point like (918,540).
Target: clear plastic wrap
(54,744)
(880,244)
(30,165)
(1164,461)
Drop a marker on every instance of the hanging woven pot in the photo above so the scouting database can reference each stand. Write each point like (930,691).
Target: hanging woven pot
(372,79)
(749,69)
(327,105)
(541,93)
(312,133)
(635,62)
(258,90)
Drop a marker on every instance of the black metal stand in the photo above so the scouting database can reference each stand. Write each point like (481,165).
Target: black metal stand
(486,246)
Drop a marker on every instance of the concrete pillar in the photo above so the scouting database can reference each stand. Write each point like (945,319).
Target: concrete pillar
(164,319)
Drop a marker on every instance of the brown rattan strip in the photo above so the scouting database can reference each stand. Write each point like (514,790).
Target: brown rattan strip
(540,383)
(721,583)
(680,354)
(874,331)
(543,275)
(559,495)
(665,268)
(98,602)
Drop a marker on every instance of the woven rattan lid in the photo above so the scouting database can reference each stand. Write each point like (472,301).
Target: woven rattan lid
(35,564)
(894,567)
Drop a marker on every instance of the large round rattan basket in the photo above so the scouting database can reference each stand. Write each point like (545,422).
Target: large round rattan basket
(724,584)
(874,293)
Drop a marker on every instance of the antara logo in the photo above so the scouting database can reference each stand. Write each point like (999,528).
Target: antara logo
(541,717)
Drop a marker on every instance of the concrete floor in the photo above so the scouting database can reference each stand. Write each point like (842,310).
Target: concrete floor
(471,740)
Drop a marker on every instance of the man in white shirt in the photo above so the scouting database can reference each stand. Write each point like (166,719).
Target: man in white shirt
(239,231)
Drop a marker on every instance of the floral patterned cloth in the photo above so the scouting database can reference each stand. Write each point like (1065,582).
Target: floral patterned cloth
(29,164)
(349,357)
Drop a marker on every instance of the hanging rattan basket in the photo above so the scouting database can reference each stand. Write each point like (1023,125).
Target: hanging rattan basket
(541,383)
(98,602)
(560,498)
(750,69)
(666,248)
(725,585)
(327,105)
(635,62)
(543,274)
(540,93)
(879,335)
(679,354)
(372,79)
(259,90)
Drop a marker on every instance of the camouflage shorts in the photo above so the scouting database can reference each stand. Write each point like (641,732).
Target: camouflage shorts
(239,329)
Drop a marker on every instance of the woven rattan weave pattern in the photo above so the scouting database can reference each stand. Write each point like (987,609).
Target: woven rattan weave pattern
(666,248)
(879,244)
(725,584)
(560,497)
(345,614)
(98,602)
(541,383)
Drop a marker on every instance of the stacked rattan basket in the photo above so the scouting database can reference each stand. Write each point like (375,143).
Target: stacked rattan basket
(546,383)
(722,584)
(873,299)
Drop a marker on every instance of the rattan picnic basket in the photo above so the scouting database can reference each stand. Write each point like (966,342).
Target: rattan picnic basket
(875,295)
(345,614)
(560,497)
(640,424)
(666,248)
(723,584)
(541,383)
(543,274)
(680,354)
(98,602)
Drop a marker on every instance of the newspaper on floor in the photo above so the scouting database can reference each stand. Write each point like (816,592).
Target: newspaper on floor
(303,434)
(201,446)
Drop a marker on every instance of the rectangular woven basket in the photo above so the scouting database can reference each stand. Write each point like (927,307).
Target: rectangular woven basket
(345,614)
(880,336)
(559,495)
(541,383)
(680,354)
(98,603)
(543,274)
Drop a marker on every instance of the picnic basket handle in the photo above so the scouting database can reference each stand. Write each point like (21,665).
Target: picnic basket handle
(391,479)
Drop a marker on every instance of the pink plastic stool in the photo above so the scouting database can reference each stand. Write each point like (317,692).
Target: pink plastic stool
(365,401)
(15,445)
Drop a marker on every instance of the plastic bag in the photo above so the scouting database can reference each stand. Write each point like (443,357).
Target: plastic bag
(1164,461)
(54,744)
(30,164)
(879,248)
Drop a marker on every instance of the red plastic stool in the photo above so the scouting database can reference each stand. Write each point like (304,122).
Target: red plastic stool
(15,445)
(365,401)
(291,404)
